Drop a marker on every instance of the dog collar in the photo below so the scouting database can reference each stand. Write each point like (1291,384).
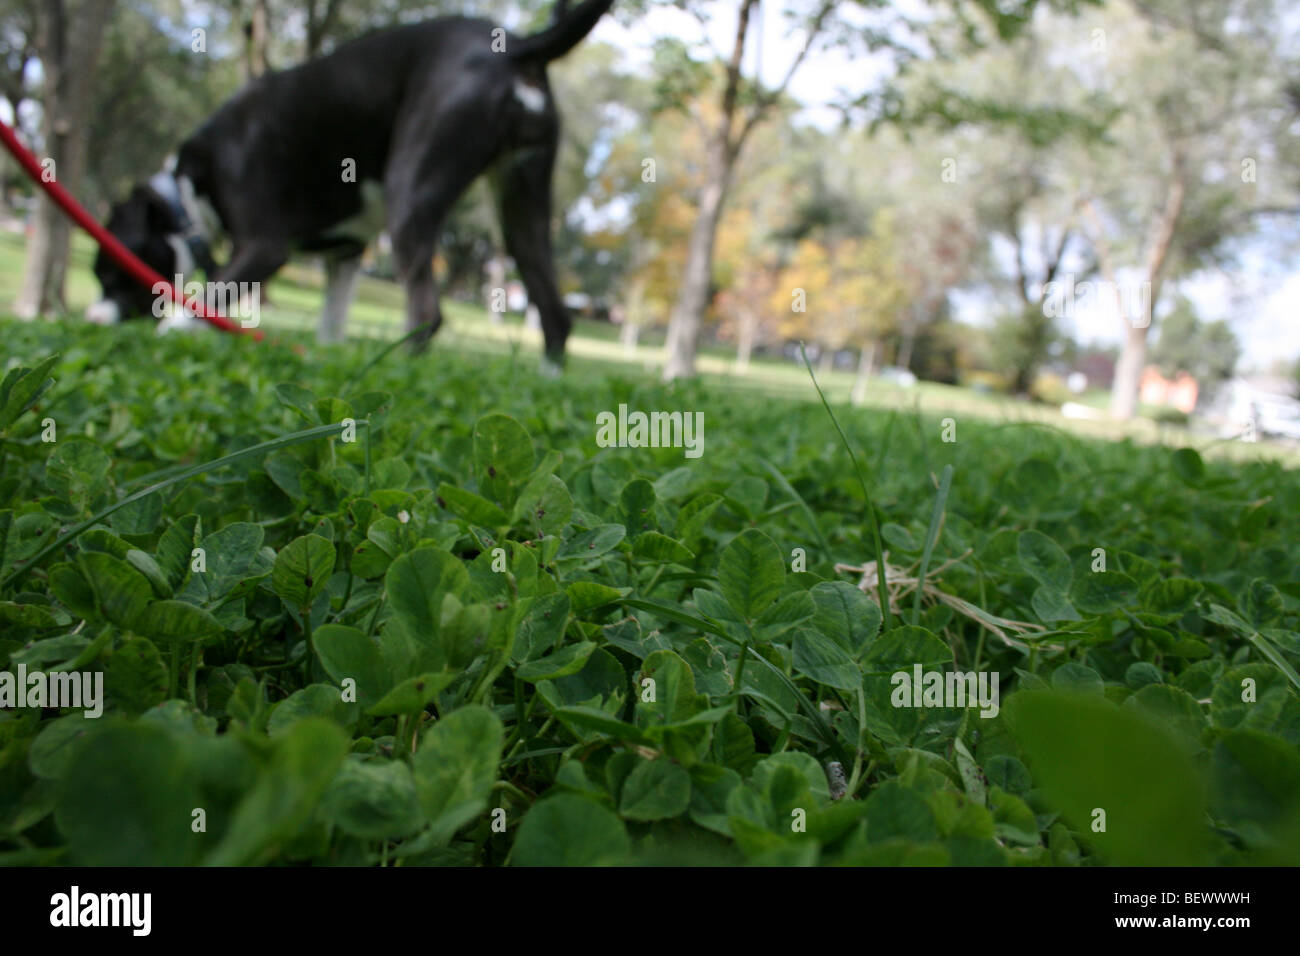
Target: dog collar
(164,184)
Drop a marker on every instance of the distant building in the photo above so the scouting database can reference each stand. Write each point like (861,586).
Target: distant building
(1098,366)
(1180,392)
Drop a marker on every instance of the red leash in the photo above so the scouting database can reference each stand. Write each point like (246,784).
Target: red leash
(109,242)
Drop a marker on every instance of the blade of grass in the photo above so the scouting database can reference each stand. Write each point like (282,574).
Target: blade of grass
(884,441)
(866,494)
(154,476)
(284,441)
(673,613)
(383,353)
(1268,650)
(931,536)
(920,433)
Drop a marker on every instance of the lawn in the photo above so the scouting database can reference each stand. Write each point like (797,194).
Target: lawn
(350,607)
(296,293)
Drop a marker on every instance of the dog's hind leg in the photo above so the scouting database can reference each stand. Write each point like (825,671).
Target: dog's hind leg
(442,146)
(341,275)
(415,236)
(523,183)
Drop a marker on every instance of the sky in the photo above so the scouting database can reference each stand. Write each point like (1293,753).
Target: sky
(1265,321)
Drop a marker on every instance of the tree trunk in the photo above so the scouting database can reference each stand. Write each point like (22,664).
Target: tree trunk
(258,31)
(631,332)
(1023,380)
(866,364)
(69,38)
(746,334)
(906,346)
(907,329)
(729,139)
(826,360)
(1132,358)
(496,287)
(633,316)
(1031,347)
(319,24)
(7,167)
(693,295)
(1128,373)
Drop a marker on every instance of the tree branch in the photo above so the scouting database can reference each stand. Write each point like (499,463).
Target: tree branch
(1022,279)
(732,90)
(764,100)
(1054,263)
(1164,234)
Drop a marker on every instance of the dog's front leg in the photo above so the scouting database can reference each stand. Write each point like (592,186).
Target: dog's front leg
(341,274)
(251,263)
(414,260)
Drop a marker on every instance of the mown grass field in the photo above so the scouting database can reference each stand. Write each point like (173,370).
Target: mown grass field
(295,295)
(459,631)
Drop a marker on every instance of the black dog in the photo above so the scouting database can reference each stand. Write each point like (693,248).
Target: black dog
(386,132)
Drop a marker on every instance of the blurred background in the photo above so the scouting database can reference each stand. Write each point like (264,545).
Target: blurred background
(1093,207)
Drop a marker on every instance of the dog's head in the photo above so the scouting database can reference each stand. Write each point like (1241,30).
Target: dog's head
(147,225)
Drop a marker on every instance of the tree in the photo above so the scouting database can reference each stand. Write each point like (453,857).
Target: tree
(322,18)
(258,31)
(1207,351)
(737,116)
(1177,179)
(845,292)
(857,184)
(151,89)
(17,51)
(655,161)
(1008,209)
(744,103)
(68,38)
(1028,208)
(934,257)
(750,273)
(783,192)
(1033,218)
(1182,104)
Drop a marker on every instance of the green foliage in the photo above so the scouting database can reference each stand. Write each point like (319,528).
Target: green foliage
(1208,351)
(473,636)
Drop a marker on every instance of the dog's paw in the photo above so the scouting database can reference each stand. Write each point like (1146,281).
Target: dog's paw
(549,368)
(104,312)
(179,321)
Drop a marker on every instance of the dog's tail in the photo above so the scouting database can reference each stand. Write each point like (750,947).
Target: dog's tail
(563,35)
